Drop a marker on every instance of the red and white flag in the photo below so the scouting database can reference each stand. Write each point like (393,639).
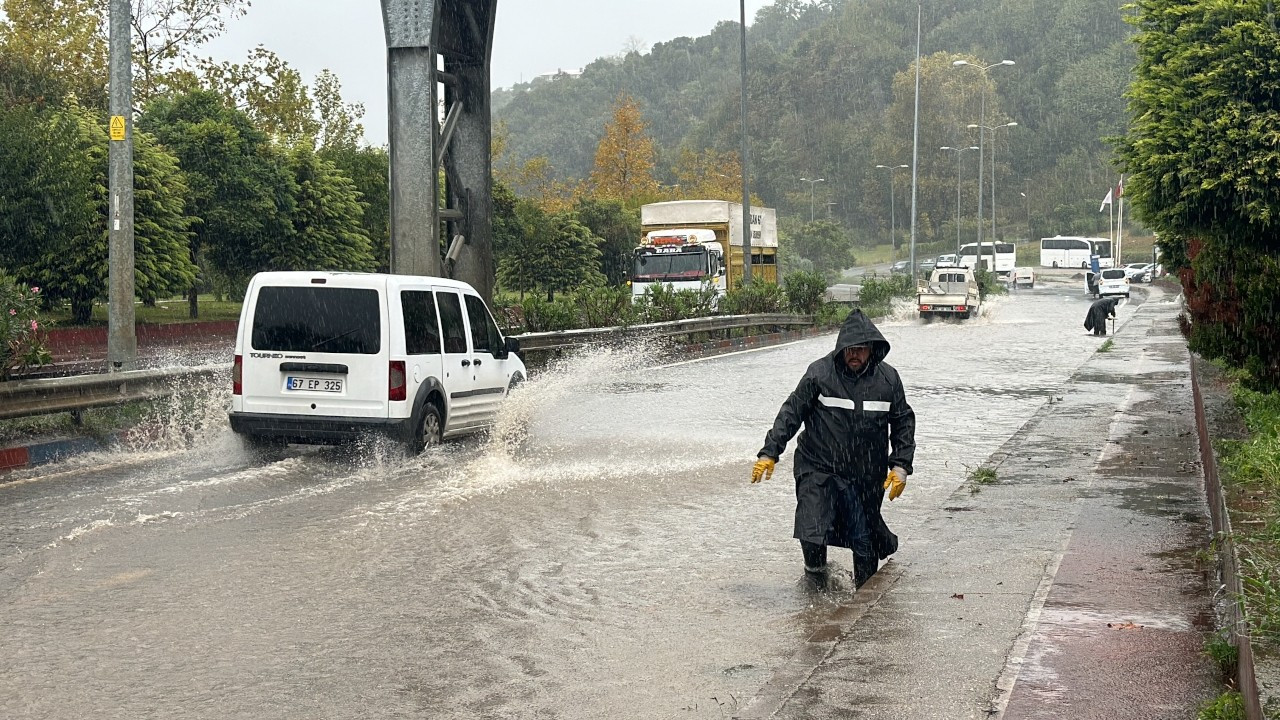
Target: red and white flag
(1105,201)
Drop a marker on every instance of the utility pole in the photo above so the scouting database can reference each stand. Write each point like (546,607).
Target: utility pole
(122,340)
(746,159)
(915,139)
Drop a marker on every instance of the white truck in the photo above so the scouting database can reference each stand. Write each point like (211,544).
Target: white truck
(688,244)
(949,292)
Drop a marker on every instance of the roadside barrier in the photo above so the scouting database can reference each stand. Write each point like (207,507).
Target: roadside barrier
(26,398)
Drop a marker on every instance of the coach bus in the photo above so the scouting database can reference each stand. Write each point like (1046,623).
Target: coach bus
(1074,252)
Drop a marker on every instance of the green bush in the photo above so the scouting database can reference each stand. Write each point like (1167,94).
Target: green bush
(881,291)
(831,315)
(989,284)
(546,316)
(23,343)
(663,304)
(805,292)
(600,306)
(757,297)
(1227,706)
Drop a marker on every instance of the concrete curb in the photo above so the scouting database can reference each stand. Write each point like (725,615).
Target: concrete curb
(45,452)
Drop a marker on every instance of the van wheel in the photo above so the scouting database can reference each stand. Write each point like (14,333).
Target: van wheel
(1055,264)
(430,428)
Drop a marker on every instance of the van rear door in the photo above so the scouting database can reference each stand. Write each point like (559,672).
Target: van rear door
(316,349)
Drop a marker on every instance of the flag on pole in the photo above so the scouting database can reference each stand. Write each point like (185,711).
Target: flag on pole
(1105,201)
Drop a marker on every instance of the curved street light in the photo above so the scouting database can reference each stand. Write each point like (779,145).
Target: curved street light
(811,184)
(893,222)
(958,151)
(993,130)
(982,118)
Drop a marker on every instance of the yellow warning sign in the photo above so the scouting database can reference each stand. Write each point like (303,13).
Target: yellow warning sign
(117,127)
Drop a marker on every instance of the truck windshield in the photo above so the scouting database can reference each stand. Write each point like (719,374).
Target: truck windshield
(657,267)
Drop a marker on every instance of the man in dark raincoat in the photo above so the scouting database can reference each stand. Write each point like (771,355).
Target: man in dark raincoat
(1096,320)
(858,443)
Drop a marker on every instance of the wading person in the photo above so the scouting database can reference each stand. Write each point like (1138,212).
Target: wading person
(858,443)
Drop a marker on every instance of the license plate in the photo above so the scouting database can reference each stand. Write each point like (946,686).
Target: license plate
(311,384)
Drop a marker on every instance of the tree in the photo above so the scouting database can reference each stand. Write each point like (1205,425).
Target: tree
(340,125)
(1201,152)
(239,186)
(63,206)
(709,175)
(325,218)
(369,169)
(823,243)
(556,253)
(618,228)
(164,33)
(65,39)
(625,156)
(270,92)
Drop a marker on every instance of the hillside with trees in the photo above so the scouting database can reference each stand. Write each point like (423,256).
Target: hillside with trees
(831,95)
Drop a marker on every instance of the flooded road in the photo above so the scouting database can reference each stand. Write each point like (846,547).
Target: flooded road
(615,562)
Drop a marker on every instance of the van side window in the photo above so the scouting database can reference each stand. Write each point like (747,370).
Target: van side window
(421,329)
(455,335)
(484,331)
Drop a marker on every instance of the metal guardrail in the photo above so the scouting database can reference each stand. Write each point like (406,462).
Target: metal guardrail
(565,339)
(25,398)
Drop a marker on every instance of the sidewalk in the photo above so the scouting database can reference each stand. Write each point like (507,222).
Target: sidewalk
(1067,589)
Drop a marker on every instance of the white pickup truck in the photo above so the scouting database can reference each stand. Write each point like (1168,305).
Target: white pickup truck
(949,291)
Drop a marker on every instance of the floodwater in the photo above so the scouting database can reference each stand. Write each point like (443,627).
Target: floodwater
(612,562)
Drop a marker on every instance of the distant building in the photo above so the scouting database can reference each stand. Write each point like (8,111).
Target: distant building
(559,73)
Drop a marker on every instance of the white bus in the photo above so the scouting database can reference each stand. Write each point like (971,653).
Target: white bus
(1074,252)
(1000,257)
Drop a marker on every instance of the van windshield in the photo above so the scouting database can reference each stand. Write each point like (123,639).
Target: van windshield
(317,319)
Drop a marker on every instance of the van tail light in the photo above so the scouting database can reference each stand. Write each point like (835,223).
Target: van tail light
(397,389)
(237,376)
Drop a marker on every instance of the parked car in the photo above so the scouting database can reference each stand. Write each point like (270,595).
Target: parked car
(1139,272)
(1113,281)
(902,266)
(1024,277)
(327,357)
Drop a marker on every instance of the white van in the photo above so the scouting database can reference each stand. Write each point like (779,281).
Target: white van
(325,357)
(1113,281)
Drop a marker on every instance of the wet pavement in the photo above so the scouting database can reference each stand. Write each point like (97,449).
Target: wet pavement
(1068,588)
(616,562)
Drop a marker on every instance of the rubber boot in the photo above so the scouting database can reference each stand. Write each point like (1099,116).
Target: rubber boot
(815,557)
(863,569)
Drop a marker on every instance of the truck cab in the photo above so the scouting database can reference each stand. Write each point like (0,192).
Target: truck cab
(683,258)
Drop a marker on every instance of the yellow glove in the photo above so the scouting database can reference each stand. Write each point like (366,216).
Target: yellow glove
(763,469)
(895,482)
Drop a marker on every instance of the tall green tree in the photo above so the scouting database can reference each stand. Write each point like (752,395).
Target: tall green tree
(326,213)
(369,168)
(555,253)
(618,228)
(56,212)
(239,186)
(824,244)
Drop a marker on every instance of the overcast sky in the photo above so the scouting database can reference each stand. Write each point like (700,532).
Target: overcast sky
(532,37)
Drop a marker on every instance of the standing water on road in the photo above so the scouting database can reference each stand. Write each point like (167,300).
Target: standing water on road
(601,554)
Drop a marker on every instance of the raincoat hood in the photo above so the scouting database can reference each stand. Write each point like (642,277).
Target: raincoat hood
(859,330)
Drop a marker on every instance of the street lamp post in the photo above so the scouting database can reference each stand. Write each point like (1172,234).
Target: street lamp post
(746,157)
(958,151)
(811,184)
(982,119)
(893,230)
(993,130)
